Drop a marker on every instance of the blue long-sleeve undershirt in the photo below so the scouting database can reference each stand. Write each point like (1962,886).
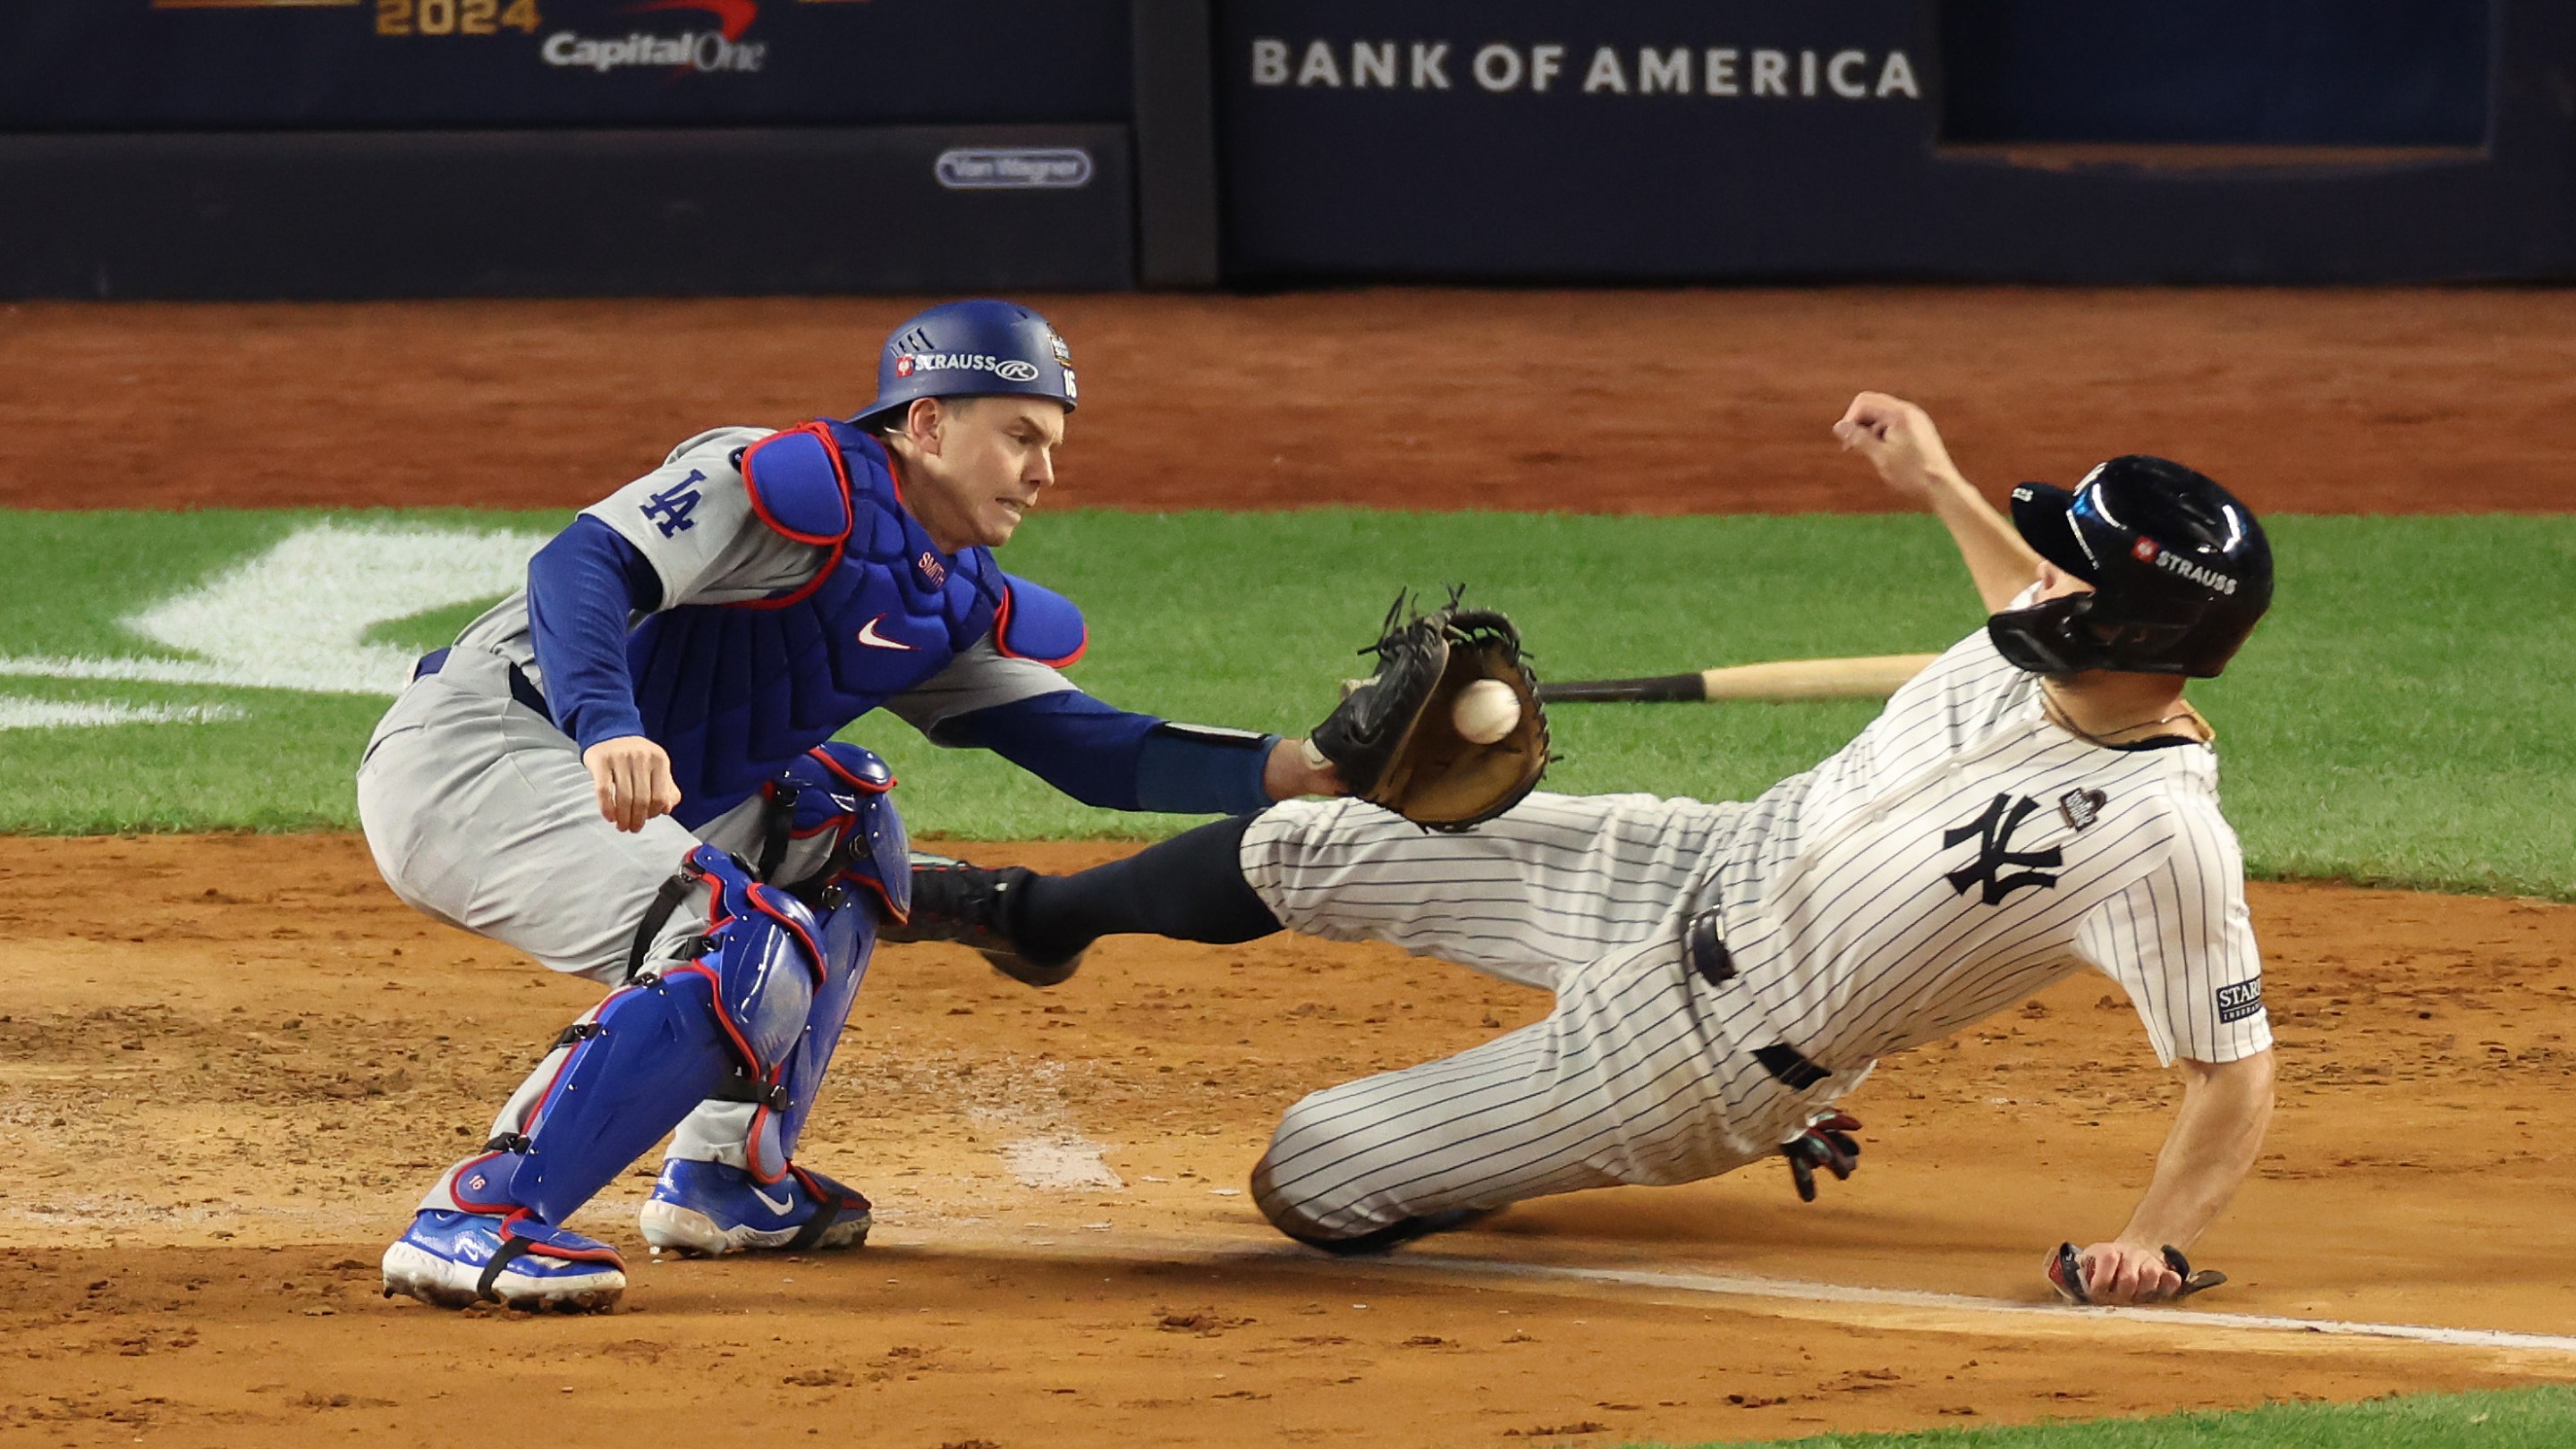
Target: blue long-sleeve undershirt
(1106,756)
(588,584)
(584,588)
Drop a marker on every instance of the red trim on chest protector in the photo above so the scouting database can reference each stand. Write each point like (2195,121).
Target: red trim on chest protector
(839,546)
(1002,641)
(840,476)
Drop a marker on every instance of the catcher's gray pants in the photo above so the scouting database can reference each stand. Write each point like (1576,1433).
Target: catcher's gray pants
(1637,1076)
(481,814)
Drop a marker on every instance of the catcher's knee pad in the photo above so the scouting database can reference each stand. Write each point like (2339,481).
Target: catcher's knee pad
(725,1023)
(849,937)
(825,819)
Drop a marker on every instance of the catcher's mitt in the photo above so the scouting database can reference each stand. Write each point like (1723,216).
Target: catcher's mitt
(1393,738)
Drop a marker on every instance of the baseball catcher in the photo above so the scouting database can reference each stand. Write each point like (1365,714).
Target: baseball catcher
(628,771)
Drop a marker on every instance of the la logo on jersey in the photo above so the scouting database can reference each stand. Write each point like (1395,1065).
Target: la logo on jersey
(1993,833)
(670,509)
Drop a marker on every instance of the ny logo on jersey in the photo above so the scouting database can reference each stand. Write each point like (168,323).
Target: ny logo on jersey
(670,508)
(1993,832)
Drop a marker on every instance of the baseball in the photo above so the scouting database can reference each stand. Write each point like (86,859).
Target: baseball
(1485,711)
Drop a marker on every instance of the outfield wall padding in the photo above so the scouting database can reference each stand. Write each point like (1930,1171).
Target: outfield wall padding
(811,209)
(1526,140)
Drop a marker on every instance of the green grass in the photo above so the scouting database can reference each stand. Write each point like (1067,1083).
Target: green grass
(2543,1418)
(2399,719)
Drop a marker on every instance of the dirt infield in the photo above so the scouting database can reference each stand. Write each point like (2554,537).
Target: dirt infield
(229,1063)
(1650,401)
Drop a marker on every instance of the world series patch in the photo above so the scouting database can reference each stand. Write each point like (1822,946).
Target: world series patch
(2240,1000)
(2080,808)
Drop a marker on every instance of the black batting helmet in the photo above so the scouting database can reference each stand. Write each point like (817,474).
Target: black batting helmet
(2180,573)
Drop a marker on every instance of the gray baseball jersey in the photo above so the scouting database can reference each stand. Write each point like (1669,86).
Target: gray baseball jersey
(1961,853)
(480,813)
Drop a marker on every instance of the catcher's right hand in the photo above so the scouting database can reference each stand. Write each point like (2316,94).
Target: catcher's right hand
(1392,737)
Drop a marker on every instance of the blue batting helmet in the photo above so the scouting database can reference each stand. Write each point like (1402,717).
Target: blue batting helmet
(2180,573)
(970,349)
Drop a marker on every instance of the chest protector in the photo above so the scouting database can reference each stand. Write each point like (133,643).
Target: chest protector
(735,692)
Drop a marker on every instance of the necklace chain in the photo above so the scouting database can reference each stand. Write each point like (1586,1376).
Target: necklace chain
(2065,721)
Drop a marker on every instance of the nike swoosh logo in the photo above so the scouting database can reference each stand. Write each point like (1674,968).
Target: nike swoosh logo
(777,1205)
(869,636)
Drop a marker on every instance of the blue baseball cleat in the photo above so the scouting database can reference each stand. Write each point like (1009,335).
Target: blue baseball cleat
(707,1209)
(455,1260)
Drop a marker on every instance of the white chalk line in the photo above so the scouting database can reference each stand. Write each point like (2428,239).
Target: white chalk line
(1743,1285)
(20,713)
(1796,1290)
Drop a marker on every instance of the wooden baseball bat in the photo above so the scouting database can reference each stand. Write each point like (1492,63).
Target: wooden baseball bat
(1873,676)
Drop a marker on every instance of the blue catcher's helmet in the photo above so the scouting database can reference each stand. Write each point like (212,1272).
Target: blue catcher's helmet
(970,349)
(2180,573)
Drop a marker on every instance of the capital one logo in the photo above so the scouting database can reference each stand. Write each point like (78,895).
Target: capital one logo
(719,49)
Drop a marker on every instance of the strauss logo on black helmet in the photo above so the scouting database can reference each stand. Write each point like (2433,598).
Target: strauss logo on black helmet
(2179,568)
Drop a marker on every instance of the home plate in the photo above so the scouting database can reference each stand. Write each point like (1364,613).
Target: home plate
(1059,1162)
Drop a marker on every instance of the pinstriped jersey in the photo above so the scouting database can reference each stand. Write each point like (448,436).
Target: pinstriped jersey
(1963,852)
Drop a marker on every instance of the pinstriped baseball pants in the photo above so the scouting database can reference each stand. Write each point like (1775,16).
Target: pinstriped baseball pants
(1642,1074)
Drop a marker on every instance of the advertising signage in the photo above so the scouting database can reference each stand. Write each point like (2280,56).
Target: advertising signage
(1519,138)
(1532,140)
(73,65)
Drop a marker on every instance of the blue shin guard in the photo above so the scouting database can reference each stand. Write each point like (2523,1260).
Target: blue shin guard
(849,938)
(729,1021)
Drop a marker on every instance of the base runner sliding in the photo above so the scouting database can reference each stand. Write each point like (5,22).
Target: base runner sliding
(2037,801)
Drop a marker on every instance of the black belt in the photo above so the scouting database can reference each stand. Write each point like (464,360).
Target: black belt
(1716,966)
(522,688)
